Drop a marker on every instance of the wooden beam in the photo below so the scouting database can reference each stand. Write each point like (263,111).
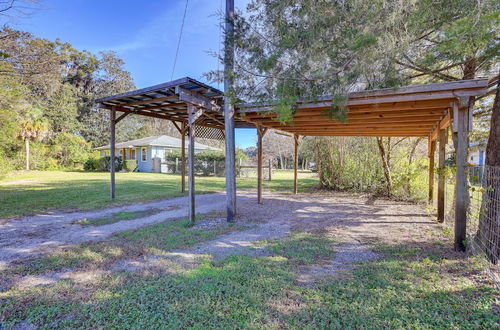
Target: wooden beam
(319,108)
(191,133)
(229,111)
(196,99)
(375,119)
(117,120)
(300,116)
(461,194)
(148,101)
(432,148)
(443,137)
(112,135)
(444,123)
(261,131)
(295,163)
(183,156)
(428,126)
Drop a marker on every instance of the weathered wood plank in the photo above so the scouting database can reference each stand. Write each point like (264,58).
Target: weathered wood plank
(191,187)
(295,163)
(121,117)
(183,157)
(443,137)
(112,135)
(261,131)
(432,148)
(229,111)
(196,99)
(461,194)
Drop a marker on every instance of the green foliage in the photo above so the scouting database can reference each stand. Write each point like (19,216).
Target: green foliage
(210,156)
(47,94)
(102,164)
(130,165)
(175,154)
(92,163)
(70,150)
(354,164)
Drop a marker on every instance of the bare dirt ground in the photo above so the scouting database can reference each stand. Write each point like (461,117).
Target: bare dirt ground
(26,237)
(353,221)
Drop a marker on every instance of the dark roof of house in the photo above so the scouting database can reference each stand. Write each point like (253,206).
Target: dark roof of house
(161,141)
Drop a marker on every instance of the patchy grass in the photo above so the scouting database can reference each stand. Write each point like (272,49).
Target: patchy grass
(32,192)
(154,239)
(408,288)
(302,248)
(115,217)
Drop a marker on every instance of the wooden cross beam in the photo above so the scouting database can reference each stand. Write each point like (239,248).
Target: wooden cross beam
(196,99)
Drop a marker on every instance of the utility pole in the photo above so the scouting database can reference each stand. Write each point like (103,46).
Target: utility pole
(229,111)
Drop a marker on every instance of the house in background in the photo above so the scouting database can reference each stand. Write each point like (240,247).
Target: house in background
(477,153)
(151,151)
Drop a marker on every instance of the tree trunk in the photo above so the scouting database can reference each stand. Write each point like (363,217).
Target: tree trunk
(27,148)
(488,235)
(385,164)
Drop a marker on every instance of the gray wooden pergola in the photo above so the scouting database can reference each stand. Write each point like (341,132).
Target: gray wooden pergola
(194,108)
(412,111)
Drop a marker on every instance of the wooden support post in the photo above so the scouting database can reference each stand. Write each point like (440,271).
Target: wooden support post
(270,169)
(192,210)
(431,151)
(461,118)
(443,137)
(229,111)
(260,134)
(295,163)
(183,157)
(112,124)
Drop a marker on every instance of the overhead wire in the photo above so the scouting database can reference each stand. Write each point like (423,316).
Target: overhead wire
(179,40)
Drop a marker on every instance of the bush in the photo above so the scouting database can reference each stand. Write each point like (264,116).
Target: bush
(130,165)
(91,164)
(102,164)
(70,150)
(5,166)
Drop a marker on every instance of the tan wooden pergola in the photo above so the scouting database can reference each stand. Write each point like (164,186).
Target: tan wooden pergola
(412,111)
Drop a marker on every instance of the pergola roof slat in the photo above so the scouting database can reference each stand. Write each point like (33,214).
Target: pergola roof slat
(406,111)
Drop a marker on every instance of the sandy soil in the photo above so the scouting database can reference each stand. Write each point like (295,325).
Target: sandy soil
(352,220)
(32,235)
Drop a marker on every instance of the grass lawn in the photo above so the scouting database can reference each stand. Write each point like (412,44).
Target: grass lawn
(407,288)
(27,193)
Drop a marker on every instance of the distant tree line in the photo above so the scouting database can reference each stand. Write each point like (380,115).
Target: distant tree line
(48,117)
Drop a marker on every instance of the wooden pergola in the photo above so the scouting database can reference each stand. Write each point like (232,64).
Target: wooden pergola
(412,111)
(194,108)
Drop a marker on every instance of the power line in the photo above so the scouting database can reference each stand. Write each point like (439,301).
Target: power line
(179,41)
(220,43)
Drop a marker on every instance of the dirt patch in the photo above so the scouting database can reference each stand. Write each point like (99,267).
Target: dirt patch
(347,255)
(31,236)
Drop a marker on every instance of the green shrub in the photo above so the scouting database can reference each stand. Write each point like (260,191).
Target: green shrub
(130,165)
(173,155)
(70,150)
(102,164)
(5,166)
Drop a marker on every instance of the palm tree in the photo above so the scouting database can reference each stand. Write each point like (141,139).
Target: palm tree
(31,130)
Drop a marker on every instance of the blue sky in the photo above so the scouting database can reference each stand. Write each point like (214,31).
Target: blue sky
(143,33)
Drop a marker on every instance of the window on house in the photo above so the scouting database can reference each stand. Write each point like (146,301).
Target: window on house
(132,154)
(143,154)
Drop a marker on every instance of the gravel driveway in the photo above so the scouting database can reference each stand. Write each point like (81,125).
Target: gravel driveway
(350,218)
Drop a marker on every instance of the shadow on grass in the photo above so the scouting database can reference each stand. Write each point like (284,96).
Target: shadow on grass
(241,292)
